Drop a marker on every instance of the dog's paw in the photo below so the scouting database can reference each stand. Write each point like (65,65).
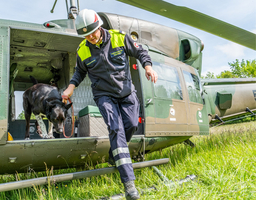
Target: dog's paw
(47,136)
(51,137)
(27,138)
(44,136)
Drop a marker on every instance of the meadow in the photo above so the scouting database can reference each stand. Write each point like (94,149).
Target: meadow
(224,163)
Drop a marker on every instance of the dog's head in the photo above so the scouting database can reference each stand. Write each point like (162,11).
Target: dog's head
(56,113)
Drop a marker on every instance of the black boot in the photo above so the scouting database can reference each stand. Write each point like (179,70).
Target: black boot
(131,192)
(111,159)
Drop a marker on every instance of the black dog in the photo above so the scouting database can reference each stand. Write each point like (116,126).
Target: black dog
(43,99)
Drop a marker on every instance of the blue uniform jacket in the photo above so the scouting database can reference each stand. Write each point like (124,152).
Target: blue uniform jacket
(108,65)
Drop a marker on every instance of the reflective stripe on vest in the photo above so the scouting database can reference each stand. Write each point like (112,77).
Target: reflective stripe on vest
(117,40)
(84,51)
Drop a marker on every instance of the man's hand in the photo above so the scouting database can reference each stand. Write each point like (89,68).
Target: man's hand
(151,73)
(68,93)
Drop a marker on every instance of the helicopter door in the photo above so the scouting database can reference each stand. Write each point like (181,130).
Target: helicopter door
(198,117)
(164,106)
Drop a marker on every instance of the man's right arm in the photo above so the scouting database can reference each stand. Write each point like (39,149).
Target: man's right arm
(77,78)
(80,72)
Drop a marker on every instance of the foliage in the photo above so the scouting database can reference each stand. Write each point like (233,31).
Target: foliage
(209,75)
(243,69)
(223,170)
(22,116)
(226,74)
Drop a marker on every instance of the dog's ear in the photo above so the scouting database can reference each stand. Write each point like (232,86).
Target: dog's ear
(50,104)
(68,105)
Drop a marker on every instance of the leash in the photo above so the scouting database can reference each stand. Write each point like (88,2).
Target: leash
(64,97)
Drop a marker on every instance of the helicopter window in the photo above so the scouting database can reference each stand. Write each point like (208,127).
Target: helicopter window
(194,87)
(168,84)
(186,51)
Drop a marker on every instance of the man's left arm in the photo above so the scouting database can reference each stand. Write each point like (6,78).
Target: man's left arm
(151,73)
(135,50)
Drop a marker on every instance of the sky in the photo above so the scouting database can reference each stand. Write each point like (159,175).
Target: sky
(217,53)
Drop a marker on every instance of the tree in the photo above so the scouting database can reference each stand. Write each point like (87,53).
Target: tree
(209,75)
(226,74)
(250,69)
(243,69)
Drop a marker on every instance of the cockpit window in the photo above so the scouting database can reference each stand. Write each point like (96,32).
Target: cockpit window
(168,84)
(194,87)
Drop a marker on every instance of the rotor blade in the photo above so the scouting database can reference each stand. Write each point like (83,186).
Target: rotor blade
(197,20)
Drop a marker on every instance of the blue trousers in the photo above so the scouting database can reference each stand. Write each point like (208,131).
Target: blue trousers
(121,116)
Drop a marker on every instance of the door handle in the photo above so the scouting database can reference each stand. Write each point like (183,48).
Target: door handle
(149,101)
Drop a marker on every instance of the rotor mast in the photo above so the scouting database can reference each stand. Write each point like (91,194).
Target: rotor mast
(72,11)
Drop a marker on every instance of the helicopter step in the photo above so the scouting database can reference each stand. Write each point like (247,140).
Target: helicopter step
(76,175)
(190,143)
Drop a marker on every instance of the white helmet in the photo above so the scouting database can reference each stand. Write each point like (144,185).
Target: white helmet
(87,22)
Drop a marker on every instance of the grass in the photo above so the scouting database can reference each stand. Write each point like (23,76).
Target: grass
(224,163)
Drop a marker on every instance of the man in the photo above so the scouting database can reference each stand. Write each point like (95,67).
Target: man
(103,55)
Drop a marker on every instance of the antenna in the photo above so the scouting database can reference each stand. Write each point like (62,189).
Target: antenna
(72,12)
(53,6)
(78,7)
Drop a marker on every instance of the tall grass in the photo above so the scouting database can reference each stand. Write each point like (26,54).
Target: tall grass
(224,163)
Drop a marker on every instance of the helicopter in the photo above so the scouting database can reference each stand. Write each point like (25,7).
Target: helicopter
(179,106)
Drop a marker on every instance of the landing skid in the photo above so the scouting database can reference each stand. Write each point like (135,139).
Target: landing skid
(165,181)
(76,175)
